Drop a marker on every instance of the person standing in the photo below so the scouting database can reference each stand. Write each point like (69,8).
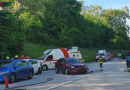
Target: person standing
(128,62)
(22,57)
(120,55)
(16,56)
(26,57)
(7,57)
(100,61)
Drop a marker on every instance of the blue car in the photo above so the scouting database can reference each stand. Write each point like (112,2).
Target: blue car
(15,69)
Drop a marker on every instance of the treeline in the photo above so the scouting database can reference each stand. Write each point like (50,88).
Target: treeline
(63,23)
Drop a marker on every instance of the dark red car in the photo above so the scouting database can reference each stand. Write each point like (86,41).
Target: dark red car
(70,66)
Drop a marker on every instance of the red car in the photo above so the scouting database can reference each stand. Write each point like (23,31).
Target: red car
(70,66)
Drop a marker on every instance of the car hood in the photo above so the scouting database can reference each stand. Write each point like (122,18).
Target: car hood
(77,64)
(3,69)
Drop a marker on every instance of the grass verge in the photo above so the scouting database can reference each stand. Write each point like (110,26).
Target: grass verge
(35,51)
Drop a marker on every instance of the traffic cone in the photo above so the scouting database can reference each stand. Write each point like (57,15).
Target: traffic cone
(6,82)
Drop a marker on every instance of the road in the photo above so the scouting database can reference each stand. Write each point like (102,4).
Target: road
(113,77)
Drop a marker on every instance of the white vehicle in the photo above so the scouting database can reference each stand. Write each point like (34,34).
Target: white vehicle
(36,65)
(52,55)
(103,54)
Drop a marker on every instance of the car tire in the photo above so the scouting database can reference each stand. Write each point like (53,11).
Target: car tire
(30,75)
(66,71)
(44,67)
(12,78)
(85,72)
(56,69)
(39,71)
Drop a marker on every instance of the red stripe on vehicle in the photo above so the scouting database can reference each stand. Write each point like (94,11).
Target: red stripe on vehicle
(49,61)
(66,55)
(0,4)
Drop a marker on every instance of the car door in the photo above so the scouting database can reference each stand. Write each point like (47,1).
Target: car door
(49,61)
(35,65)
(25,68)
(19,72)
(61,65)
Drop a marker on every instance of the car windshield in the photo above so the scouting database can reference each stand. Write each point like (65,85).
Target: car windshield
(102,54)
(6,64)
(44,56)
(72,60)
(33,61)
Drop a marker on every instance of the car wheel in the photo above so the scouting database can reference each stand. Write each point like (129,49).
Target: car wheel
(44,67)
(30,75)
(12,78)
(66,71)
(85,72)
(57,71)
(39,71)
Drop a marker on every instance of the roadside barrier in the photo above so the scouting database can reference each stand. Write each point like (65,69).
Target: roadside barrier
(6,82)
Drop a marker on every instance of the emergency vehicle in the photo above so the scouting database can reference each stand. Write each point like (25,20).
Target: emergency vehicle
(51,56)
(103,54)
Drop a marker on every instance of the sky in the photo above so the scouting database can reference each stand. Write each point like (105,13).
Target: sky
(107,4)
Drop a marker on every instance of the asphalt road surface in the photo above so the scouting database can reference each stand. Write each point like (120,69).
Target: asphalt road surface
(112,78)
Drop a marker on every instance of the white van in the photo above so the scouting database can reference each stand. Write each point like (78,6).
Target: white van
(103,54)
(52,55)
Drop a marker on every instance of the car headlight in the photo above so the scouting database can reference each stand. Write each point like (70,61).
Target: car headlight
(72,67)
(2,73)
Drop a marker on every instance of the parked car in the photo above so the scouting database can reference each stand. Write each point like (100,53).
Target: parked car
(15,69)
(70,66)
(36,65)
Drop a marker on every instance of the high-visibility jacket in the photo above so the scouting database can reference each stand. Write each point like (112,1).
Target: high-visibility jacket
(100,61)
(7,57)
(16,56)
(119,54)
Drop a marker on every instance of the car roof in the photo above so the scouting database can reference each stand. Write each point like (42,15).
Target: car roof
(29,59)
(13,60)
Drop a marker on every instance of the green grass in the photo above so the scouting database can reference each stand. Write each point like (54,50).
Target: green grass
(35,51)
(88,54)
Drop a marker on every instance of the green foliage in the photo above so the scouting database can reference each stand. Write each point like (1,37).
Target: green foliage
(12,37)
(35,50)
(60,23)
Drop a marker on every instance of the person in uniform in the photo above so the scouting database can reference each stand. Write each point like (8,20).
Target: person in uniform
(100,61)
(7,57)
(128,62)
(16,56)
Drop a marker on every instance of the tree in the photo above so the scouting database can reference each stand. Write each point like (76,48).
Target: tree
(12,37)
